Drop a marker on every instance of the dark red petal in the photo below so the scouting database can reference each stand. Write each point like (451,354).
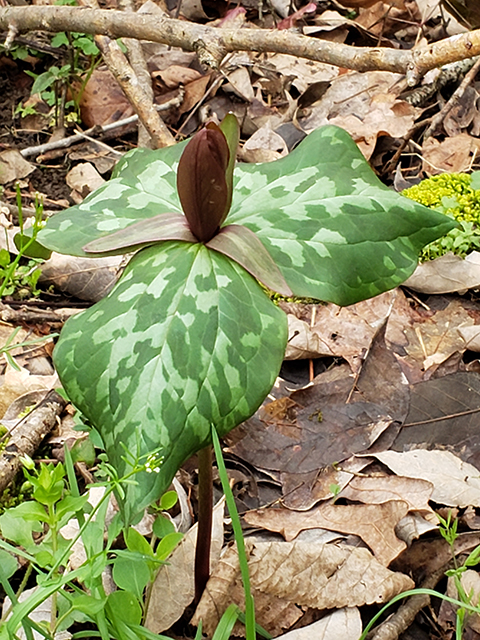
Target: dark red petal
(201,182)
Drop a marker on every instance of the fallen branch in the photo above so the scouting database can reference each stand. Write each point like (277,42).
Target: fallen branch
(213,44)
(27,434)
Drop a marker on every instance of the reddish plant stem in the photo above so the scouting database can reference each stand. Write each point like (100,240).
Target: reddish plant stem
(205,508)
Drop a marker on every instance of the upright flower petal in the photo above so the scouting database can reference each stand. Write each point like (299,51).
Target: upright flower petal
(201,182)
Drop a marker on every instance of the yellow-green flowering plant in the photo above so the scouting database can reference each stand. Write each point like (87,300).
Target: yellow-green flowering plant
(456,195)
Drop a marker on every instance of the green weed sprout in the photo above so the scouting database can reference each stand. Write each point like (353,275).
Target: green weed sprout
(457,195)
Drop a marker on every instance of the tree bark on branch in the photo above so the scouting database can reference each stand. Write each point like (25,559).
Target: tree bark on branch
(212,44)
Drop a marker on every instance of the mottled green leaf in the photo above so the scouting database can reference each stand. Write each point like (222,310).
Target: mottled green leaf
(187,338)
(334,230)
(143,185)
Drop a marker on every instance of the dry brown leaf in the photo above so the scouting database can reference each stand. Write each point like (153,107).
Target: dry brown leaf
(343,623)
(423,339)
(454,154)
(83,179)
(225,586)
(264,146)
(375,524)
(174,75)
(455,483)
(362,103)
(85,278)
(103,101)
(302,491)
(447,274)
(239,82)
(13,166)
(17,383)
(346,332)
(379,489)
(322,576)
(471,335)
(174,588)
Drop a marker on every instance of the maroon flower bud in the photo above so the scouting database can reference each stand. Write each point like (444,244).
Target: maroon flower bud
(202,183)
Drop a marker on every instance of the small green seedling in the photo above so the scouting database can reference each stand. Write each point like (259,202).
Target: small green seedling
(188,339)
(34,531)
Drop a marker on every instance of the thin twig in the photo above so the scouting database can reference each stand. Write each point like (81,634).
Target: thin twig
(450,416)
(97,130)
(453,101)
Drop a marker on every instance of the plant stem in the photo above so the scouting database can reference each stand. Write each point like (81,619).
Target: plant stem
(205,508)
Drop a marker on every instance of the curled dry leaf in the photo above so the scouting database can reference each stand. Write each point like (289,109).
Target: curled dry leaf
(13,166)
(343,623)
(374,523)
(378,490)
(452,155)
(85,278)
(455,483)
(447,274)
(321,576)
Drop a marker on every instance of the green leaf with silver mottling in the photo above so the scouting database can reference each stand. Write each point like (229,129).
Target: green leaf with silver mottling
(143,185)
(334,230)
(187,338)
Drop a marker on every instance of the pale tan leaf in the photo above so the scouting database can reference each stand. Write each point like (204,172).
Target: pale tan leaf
(323,576)
(264,146)
(447,274)
(346,332)
(375,524)
(85,278)
(413,525)
(455,483)
(379,489)
(454,154)
(364,105)
(83,179)
(174,588)
(13,166)
(343,623)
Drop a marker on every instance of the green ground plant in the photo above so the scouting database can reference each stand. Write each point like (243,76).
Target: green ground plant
(18,276)
(457,195)
(188,342)
(62,86)
(33,531)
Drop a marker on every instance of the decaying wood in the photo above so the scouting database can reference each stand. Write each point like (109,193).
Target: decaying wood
(212,44)
(27,434)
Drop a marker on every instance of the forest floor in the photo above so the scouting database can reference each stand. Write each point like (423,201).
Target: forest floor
(370,438)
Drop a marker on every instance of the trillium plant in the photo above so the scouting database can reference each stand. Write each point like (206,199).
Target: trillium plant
(188,339)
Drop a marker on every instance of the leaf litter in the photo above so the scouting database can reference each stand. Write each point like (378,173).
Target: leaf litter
(388,430)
